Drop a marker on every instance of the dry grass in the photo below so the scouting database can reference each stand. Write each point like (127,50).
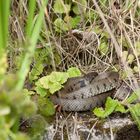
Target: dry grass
(118,21)
(84,126)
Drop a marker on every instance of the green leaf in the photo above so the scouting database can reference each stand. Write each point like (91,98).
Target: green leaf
(135,113)
(130,58)
(36,71)
(43,82)
(91,16)
(131,98)
(72,22)
(110,107)
(55,87)
(103,48)
(53,82)
(60,77)
(46,107)
(136,108)
(66,24)
(73,72)
(120,108)
(29,93)
(60,7)
(75,21)
(99,112)
(41,91)
(60,25)
(79,6)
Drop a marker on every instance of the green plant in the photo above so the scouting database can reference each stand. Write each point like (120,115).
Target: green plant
(13,106)
(112,106)
(15,102)
(50,84)
(66,22)
(32,34)
(43,57)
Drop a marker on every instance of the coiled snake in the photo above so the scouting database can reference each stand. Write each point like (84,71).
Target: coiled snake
(86,92)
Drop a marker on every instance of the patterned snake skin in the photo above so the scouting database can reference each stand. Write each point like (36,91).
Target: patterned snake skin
(86,92)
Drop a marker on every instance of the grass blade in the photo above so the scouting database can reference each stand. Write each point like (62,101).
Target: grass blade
(31,47)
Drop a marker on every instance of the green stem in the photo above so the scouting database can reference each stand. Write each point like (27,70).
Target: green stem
(31,48)
(4,17)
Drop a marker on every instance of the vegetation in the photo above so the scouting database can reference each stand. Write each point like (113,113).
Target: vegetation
(40,38)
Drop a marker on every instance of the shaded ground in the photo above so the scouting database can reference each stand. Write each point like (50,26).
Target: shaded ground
(84,126)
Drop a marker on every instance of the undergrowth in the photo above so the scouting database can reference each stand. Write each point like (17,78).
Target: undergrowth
(48,36)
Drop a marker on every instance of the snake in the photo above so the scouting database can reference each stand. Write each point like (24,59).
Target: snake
(86,92)
(90,90)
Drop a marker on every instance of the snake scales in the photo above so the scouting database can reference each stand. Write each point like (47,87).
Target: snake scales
(86,92)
